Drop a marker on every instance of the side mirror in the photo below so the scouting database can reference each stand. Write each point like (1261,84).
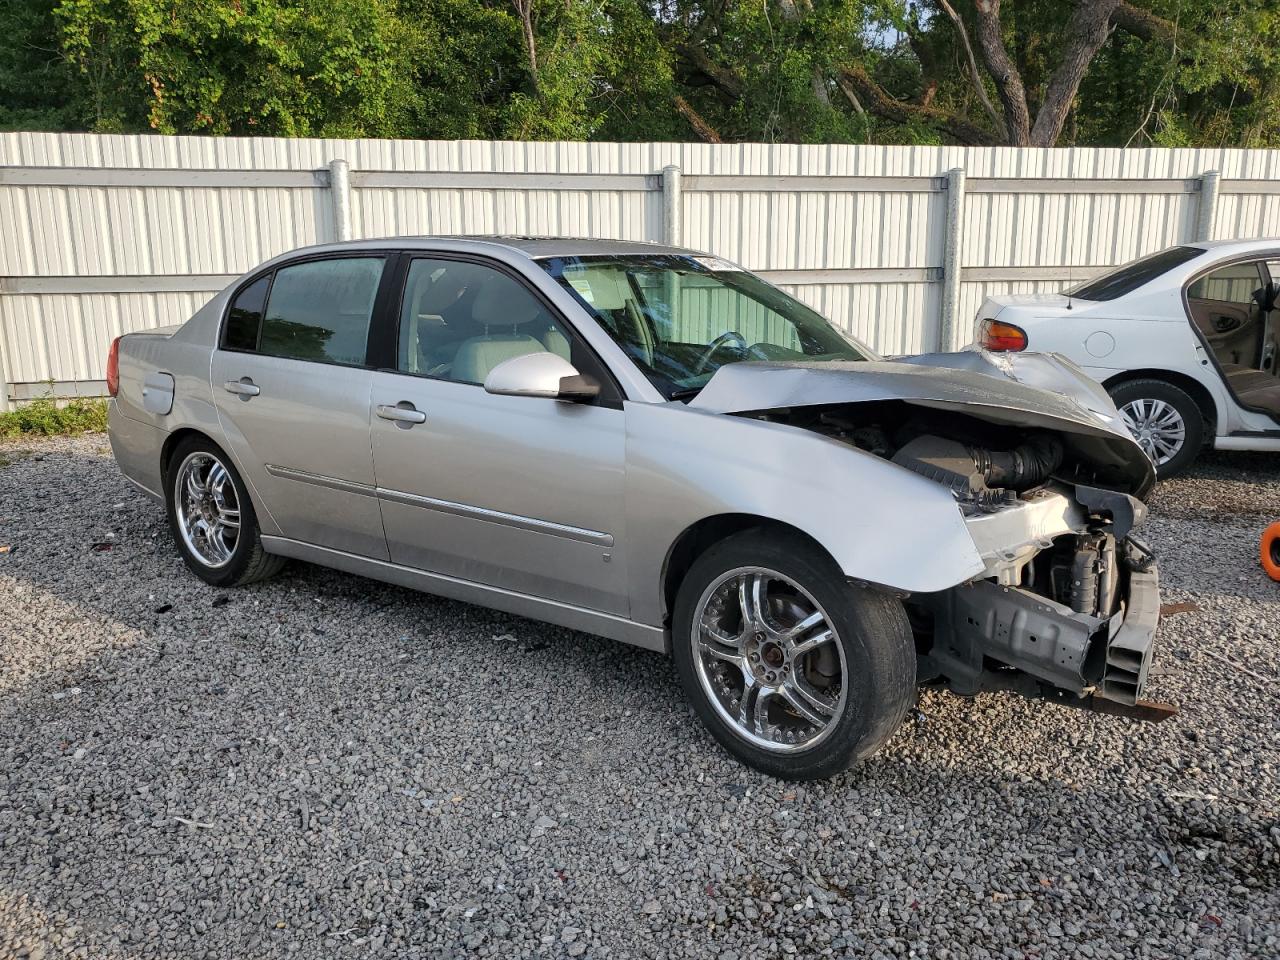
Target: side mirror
(1266,297)
(542,374)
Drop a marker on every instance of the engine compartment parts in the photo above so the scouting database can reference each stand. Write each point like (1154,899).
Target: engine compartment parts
(1269,550)
(1083,620)
(978,474)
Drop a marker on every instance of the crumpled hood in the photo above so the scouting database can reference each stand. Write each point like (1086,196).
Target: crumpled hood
(1029,391)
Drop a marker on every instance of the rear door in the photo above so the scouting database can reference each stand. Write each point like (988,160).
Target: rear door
(292,387)
(1225,314)
(519,493)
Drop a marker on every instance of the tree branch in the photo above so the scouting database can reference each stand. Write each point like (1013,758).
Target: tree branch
(700,126)
(1013,96)
(872,97)
(1086,32)
(979,87)
(1143,24)
(722,77)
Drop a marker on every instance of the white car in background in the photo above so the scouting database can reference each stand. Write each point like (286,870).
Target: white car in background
(1184,340)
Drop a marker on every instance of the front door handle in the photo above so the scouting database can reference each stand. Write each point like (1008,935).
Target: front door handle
(244,387)
(403,412)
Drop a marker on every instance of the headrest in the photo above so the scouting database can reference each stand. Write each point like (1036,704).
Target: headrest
(602,288)
(500,302)
(433,296)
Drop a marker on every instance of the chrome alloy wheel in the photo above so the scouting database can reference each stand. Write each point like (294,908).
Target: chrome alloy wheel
(769,659)
(1157,426)
(208,509)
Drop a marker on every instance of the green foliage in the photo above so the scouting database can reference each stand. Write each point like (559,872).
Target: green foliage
(742,70)
(268,67)
(47,417)
(38,90)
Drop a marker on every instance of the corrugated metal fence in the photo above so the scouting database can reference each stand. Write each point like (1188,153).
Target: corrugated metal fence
(101,235)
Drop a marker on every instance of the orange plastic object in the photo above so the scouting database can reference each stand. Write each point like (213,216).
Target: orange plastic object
(1270,551)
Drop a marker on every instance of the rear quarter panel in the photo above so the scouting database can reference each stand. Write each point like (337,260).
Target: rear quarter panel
(137,434)
(1155,336)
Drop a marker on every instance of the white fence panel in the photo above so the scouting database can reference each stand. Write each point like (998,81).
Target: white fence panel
(108,234)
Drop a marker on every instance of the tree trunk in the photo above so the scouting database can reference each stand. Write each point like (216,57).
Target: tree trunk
(1087,32)
(1013,97)
(524,9)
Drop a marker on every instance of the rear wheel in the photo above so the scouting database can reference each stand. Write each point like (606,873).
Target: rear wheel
(1164,420)
(794,670)
(212,517)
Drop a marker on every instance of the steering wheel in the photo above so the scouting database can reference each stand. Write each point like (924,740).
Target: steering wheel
(729,336)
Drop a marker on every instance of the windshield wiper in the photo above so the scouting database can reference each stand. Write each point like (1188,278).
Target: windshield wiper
(688,393)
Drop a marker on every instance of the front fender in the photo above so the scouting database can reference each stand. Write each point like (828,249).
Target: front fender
(880,523)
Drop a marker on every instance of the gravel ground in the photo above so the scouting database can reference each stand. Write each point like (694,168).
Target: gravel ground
(322,766)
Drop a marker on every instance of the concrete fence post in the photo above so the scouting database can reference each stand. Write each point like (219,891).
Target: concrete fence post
(672,204)
(340,192)
(1208,204)
(950,301)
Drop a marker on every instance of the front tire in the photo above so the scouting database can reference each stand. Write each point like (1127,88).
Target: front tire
(793,670)
(1164,420)
(212,517)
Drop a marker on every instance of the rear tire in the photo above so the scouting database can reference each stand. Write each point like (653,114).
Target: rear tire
(212,518)
(765,684)
(1160,415)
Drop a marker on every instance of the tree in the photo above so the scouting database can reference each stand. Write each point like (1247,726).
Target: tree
(1021,72)
(265,67)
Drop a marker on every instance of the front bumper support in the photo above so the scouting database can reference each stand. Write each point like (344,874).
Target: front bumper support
(982,621)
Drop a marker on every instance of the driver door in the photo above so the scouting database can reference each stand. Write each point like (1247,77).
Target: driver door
(516,493)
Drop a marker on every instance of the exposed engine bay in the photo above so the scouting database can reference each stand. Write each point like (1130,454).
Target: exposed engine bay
(1068,601)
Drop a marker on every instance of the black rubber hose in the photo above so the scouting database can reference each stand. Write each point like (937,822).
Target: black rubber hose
(1026,466)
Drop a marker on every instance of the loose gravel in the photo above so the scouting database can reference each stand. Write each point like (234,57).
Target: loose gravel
(323,766)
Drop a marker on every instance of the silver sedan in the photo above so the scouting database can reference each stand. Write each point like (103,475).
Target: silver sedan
(656,446)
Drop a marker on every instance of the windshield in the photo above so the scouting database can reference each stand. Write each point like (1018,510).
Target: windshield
(681,318)
(1133,275)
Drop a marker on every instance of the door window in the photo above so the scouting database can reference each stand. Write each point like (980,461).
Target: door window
(459,320)
(245,317)
(1234,283)
(319,310)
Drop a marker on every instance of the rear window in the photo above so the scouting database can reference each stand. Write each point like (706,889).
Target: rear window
(316,310)
(1133,275)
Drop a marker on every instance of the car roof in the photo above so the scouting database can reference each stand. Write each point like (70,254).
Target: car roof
(532,247)
(1236,245)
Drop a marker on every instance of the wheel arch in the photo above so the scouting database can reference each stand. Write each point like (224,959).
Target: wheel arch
(174,440)
(1193,387)
(699,537)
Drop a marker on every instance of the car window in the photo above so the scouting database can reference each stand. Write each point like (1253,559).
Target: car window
(459,320)
(1234,283)
(244,320)
(681,318)
(319,310)
(1133,275)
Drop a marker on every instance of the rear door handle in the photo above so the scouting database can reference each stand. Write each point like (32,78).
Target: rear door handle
(403,412)
(244,387)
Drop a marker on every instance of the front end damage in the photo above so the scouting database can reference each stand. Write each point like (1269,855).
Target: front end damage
(1067,602)
(1067,606)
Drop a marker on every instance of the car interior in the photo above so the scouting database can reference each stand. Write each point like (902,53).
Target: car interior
(460,320)
(1235,311)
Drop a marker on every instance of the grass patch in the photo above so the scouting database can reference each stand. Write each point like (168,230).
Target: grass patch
(46,417)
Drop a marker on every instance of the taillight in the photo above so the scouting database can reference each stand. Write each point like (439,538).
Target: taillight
(1002,337)
(113,367)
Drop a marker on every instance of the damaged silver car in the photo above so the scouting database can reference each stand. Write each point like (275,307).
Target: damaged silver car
(656,446)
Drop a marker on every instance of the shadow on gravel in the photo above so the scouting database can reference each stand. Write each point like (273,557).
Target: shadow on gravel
(327,766)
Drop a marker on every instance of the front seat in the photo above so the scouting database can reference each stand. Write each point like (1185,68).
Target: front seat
(497,306)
